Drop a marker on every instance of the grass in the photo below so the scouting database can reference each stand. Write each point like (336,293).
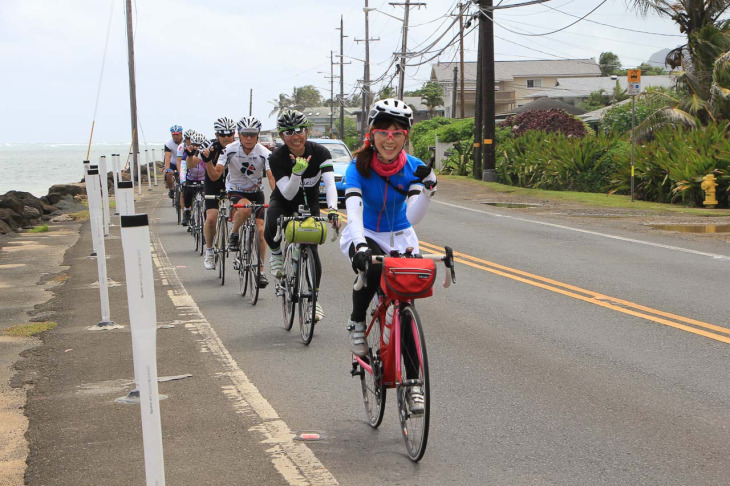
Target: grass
(39,229)
(29,329)
(590,198)
(80,215)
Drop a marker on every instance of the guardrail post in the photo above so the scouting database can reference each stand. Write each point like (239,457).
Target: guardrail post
(96,222)
(104,180)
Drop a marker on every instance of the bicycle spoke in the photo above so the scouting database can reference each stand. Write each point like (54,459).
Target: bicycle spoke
(253,261)
(373,390)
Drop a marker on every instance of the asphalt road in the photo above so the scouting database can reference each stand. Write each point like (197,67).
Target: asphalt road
(563,355)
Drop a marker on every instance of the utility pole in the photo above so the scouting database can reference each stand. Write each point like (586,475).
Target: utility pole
(461,55)
(342,78)
(366,98)
(486,46)
(477,167)
(404,44)
(332,92)
(453,93)
(132,91)
(250,102)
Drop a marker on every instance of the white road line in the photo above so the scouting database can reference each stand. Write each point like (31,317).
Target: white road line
(594,233)
(292,459)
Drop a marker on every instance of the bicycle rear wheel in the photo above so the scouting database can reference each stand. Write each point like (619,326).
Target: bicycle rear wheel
(240,263)
(307,293)
(176,202)
(373,390)
(200,224)
(414,372)
(287,285)
(253,262)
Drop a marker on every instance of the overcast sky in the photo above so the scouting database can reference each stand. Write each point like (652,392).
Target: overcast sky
(197,60)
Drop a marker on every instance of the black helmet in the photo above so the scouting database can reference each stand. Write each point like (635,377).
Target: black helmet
(291,119)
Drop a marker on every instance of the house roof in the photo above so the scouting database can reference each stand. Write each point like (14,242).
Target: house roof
(582,87)
(509,70)
(320,111)
(412,101)
(548,104)
(597,115)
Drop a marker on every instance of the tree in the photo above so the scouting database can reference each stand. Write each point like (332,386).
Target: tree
(281,104)
(618,93)
(649,70)
(386,92)
(596,100)
(609,63)
(301,98)
(432,95)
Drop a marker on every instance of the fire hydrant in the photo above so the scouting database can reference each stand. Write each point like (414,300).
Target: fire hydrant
(708,185)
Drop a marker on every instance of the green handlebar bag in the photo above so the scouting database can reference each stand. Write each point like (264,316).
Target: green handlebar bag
(308,231)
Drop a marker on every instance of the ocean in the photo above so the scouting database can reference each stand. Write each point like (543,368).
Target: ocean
(35,167)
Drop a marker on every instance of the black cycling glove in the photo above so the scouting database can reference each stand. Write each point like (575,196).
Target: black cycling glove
(361,260)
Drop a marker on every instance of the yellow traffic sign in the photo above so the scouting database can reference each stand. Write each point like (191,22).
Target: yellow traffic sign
(634,75)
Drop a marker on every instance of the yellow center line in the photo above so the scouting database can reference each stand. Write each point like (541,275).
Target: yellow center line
(591,297)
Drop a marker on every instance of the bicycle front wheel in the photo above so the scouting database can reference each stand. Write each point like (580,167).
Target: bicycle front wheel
(178,209)
(414,374)
(200,224)
(287,286)
(371,382)
(253,262)
(240,262)
(194,226)
(221,249)
(307,293)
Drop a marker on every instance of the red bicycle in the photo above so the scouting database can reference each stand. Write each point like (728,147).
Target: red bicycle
(397,355)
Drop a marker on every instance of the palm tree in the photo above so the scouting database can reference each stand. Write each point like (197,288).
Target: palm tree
(281,104)
(707,40)
(432,95)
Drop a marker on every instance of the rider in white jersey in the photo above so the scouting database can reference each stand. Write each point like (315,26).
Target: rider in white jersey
(171,157)
(246,161)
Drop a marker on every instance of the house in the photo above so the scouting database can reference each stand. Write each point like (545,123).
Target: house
(322,117)
(514,81)
(548,104)
(574,90)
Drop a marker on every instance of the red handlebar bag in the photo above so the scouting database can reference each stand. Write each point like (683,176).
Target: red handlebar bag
(408,278)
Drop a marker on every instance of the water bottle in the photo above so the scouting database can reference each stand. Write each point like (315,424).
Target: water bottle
(388,324)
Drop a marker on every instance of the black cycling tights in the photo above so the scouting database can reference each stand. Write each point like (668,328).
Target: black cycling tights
(361,298)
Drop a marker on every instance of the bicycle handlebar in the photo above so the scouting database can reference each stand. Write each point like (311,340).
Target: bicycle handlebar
(447,257)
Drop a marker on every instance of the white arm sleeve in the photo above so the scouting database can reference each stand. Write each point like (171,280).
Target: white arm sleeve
(330,189)
(417,204)
(354,216)
(289,186)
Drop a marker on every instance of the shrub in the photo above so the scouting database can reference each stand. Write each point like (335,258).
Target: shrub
(547,121)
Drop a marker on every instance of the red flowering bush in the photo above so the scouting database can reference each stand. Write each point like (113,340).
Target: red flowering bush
(554,120)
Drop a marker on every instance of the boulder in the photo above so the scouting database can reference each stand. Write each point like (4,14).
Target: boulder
(51,198)
(4,228)
(28,200)
(11,218)
(30,213)
(8,201)
(48,209)
(67,189)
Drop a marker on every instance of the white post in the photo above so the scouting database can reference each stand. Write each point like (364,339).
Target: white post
(149,175)
(104,179)
(154,166)
(143,324)
(96,222)
(132,169)
(125,198)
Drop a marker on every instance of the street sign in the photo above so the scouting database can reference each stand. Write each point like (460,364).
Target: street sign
(634,89)
(634,75)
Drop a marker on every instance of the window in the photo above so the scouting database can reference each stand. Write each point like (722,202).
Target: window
(534,83)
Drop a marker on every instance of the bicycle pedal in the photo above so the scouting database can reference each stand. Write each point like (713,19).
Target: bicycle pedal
(235,264)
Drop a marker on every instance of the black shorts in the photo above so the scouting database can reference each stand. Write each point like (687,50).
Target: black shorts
(254,197)
(213,188)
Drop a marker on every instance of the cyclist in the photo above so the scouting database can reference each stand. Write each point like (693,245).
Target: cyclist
(246,163)
(186,152)
(171,157)
(386,192)
(298,162)
(225,129)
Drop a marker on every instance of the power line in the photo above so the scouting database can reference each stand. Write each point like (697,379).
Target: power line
(554,31)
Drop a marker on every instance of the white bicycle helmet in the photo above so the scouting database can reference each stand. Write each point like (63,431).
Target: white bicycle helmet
(248,123)
(224,126)
(391,109)
(198,139)
(188,133)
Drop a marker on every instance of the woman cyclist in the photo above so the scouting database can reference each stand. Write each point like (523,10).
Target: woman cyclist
(386,192)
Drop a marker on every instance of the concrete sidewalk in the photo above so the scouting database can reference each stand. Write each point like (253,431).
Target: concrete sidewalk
(79,434)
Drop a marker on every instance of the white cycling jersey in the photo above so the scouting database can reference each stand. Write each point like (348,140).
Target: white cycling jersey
(245,171)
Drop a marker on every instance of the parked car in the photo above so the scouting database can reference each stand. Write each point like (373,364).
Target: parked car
(341,158)
(267,141)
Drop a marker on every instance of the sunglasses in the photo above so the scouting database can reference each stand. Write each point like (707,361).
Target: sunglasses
(292,131)
(228,133)
(248,134)
(396,135)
